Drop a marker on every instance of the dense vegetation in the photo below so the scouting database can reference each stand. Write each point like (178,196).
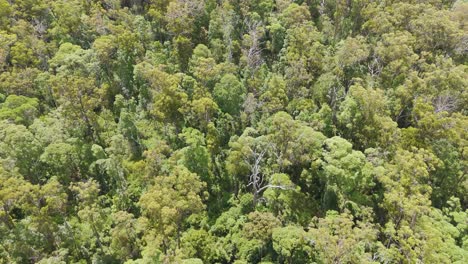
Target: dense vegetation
(233,131)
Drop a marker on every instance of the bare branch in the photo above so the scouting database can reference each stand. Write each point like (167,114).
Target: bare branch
(282,187)
(257,179)
(254,52)
(447,103)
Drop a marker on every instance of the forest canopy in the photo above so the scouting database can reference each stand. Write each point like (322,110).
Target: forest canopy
(233,131)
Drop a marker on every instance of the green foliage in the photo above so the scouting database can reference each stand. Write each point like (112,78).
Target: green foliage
(347,175)
(363,118)
(233,131)
(167,205)
(291,244)
(19,109)
(229,94)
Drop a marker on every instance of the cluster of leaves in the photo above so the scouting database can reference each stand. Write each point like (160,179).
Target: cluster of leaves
(233,131)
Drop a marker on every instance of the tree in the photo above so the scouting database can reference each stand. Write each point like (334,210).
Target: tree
(167,205)
(294,15)
(284,199)
(347,176)
(260,226)
(201,111)
(291,244)
(229,94)
(274,96)
(407,200)
(302,58)
(62,159)
(167,96)
(48,214)
(5,14)
(251,45)
(92,222)
(437,24)
(6,40)
(124,243)
(182,16)
(337,238)
(350,57)
(22,56)
(222,32)
(195,156)
(19,109)
(16,193)
(203,66)
(19,148)
(198,244)
(363,118)
(394,57)
(80,99)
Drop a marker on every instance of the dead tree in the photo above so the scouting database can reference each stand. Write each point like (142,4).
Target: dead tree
(253,52)
(445,103)
(257,178)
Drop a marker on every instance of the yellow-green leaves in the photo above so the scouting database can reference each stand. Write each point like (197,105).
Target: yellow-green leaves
(19,109)
(338,238)
(169,202)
